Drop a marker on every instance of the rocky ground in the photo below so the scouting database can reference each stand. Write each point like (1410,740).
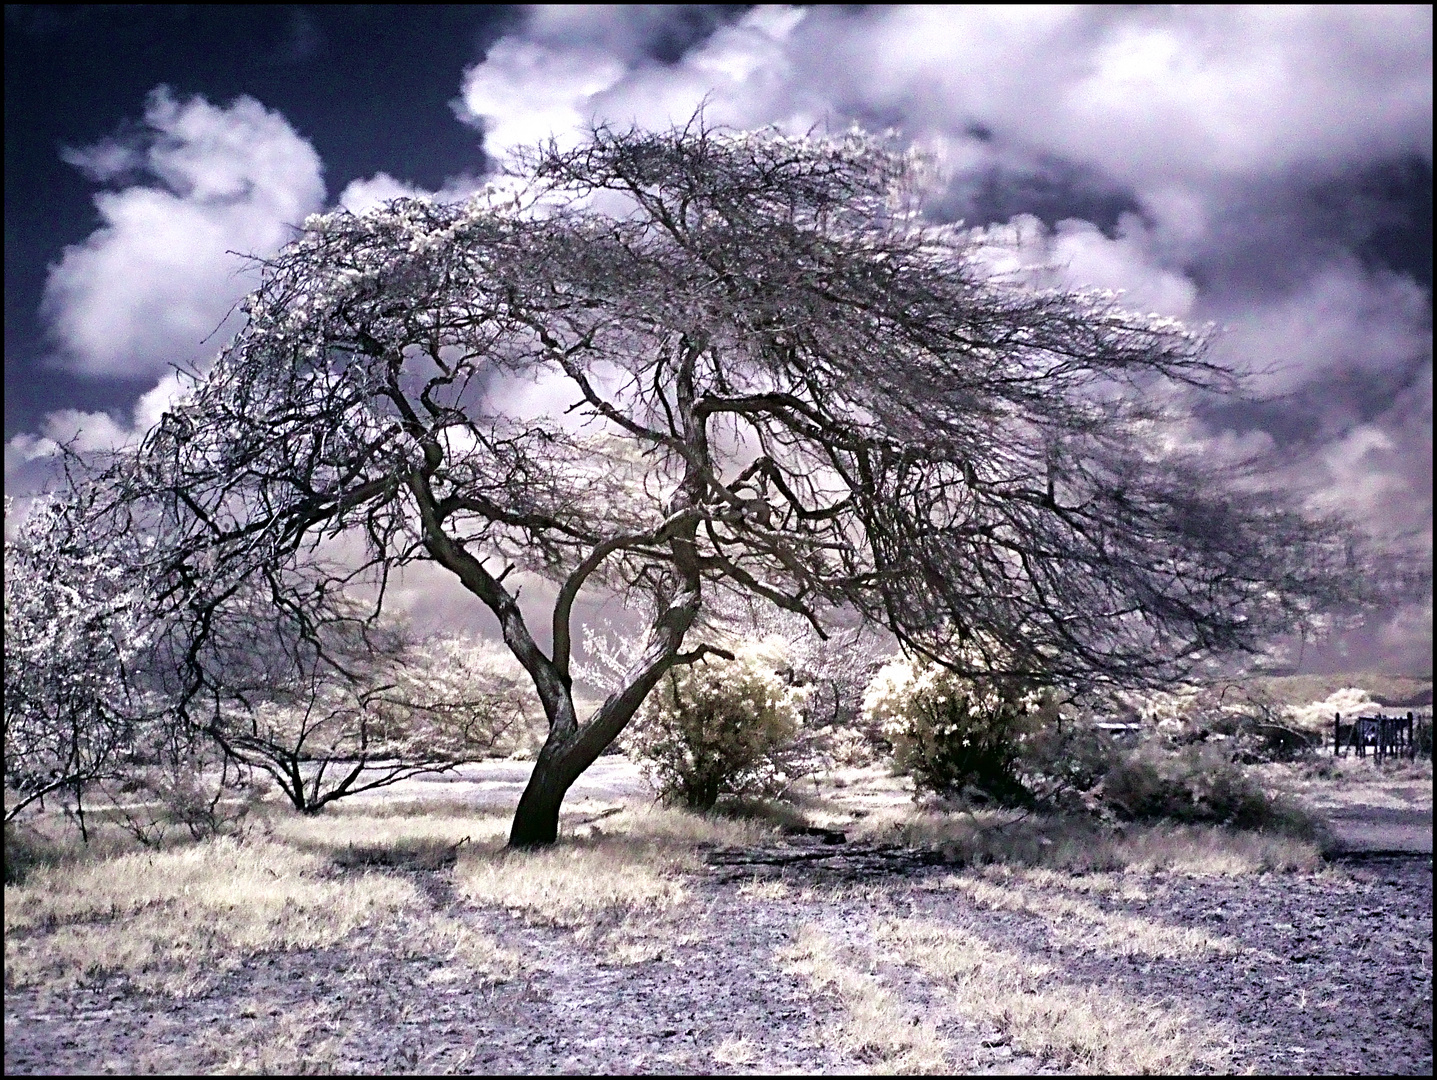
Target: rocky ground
(1325,972)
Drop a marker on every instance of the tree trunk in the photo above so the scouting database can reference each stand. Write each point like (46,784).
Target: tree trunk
(565,756)
(536,821)
(571,748)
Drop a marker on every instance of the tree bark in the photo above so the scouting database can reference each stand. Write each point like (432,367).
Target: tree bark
(536,821)
(567,753)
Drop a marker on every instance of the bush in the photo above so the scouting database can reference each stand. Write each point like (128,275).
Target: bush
(951,732)
(1256,726)
(1061,760)
(722,728)
(1197,783)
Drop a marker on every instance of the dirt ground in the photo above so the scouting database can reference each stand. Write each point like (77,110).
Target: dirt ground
(1320,972)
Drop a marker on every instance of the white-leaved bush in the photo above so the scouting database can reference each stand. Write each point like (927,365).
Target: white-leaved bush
(951,731)
(723,728)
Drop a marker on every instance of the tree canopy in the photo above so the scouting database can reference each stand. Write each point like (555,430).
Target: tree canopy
(696,362)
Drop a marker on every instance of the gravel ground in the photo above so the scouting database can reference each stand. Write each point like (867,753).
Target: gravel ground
(1331,973)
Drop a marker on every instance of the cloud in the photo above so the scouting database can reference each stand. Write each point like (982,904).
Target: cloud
(1150,96)
(1264,168)
(571,68)
(88,432)
(1222,164)
(1344,320)
(363,195)
(1077,255)
(151,285)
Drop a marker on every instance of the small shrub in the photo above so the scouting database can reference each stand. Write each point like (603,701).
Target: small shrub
(1198,783)
(950,732)
(1063,759)
(722,728)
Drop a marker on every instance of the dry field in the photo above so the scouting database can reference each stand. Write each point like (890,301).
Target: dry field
(398,935)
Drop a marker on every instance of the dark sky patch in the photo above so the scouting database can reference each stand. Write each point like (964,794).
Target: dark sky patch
(369,86)
(688,25)
(1318,411)
(1269,238)
(1052,191)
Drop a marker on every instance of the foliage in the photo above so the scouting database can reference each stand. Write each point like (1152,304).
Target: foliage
(1195,783)
(71,635)
(98,705)
(834,672)
(1254,725)
(1422,737)
(1317,716)
(722,727)
(953,732)
(1064,758)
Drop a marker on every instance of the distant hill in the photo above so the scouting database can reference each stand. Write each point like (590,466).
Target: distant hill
(1421,699)
(1392,691)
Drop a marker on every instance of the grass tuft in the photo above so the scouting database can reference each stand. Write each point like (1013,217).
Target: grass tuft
(1081,845)
(1091,1029)
(876,1028)
(1083,925)
(634,864)
(171,919)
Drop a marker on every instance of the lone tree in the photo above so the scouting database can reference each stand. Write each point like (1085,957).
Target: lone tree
(695,361)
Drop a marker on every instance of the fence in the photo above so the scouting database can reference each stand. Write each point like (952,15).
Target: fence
(1385,736)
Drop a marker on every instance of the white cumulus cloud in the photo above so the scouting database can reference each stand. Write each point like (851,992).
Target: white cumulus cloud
(149,286)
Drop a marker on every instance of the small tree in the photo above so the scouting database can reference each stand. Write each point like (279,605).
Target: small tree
(347,705)
(768,376)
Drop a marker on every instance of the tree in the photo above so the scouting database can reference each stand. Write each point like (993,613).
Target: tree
(367,712)
(71,714)
(328,705)
(758,371)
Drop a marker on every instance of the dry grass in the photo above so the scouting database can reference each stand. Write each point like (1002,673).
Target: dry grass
(877,1027)
(1301,689)
(1082,846)
(643,938)
(172,919)
(1083,925)
(476,951)
(357,839)
(765,889)
(736,1052)
(1124,886)
(1209,851)
(1091,1029)
(634,864)
(1330,784)
(302,1041)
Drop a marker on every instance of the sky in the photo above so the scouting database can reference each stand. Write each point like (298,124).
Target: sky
(1264,169)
